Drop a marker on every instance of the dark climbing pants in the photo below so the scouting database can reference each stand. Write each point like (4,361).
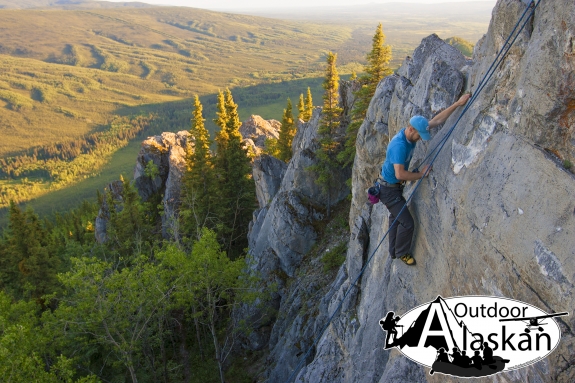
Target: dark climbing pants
(401,234)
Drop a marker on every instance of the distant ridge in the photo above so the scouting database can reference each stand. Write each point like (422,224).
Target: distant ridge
(68,4)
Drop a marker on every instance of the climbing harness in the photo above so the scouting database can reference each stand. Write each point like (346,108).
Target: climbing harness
(523,20)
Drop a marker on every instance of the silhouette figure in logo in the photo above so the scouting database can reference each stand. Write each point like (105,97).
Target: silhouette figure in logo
(465,360)
(476,360)
(389,324)
(456,357)
(442,356)
(487,354)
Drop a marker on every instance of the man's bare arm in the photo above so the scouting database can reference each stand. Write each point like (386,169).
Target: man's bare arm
(442,116)
(404,175)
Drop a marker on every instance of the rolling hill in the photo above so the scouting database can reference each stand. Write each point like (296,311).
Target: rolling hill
(89,63)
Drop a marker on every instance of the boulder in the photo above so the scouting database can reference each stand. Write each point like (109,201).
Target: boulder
(255,130)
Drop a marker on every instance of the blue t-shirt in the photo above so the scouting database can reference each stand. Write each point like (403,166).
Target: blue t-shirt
(399,151)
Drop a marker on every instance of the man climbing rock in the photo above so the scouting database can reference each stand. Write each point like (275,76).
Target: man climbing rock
(394,173)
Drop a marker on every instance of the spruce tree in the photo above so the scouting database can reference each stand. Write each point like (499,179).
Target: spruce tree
(28,268)
(308,105)
(222,135)
(129,229)
(327,163)
(376,69)
(236,188)
(198,194)
(287,133)
(271,147)
(301,107)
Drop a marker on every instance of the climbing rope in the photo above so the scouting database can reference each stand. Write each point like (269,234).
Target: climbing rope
(523,20)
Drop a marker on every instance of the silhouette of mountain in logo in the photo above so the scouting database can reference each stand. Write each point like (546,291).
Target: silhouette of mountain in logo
(443,329)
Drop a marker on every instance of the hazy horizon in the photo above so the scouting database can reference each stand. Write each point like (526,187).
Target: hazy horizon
(262,4)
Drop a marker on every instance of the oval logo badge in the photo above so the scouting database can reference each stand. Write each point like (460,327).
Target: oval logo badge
(473,336)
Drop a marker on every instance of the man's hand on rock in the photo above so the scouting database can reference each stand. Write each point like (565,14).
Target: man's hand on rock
(424,171)
(463,99)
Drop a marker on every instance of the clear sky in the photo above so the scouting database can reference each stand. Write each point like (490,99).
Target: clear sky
(247,4)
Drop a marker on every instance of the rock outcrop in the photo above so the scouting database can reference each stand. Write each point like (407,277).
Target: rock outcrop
(167,153)
(100,226)
(285,228)
(255,130)
(495,217)
(281,234)
(268,173)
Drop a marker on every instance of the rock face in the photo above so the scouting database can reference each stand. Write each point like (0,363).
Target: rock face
(255,130)
(495,217)
(281,234)
(268,173)
(168,153)
(285,230)
(100,227)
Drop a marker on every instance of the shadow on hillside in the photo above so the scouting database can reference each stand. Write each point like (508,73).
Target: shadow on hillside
(266,100)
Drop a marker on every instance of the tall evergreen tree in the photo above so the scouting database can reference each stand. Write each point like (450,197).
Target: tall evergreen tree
(222,137)
(287,133)
(376,69)
(308,105)
(301,107)
(329,148)
(129,229)
(198,192)
(235,184)
(27,266)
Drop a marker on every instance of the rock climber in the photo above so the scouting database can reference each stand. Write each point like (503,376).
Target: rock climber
(395,172)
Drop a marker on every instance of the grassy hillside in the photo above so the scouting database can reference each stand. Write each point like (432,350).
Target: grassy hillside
(64,73)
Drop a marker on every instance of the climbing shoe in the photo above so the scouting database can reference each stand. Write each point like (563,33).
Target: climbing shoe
(407,259)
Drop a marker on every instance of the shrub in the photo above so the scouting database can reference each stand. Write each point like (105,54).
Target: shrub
(41,94)
(334,258)
(15,101)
